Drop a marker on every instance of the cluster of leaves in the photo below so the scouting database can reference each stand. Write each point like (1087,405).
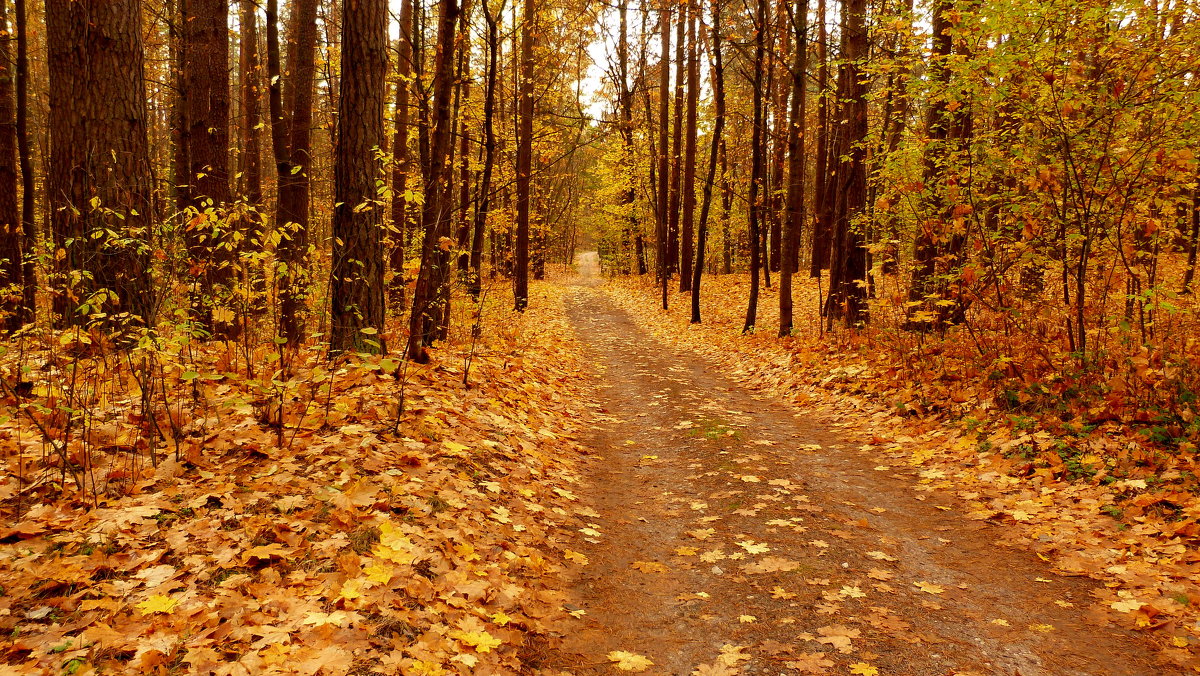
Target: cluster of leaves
(423,544)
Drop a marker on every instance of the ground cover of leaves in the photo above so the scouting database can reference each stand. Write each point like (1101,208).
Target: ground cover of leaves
(1130,523)
(435,547)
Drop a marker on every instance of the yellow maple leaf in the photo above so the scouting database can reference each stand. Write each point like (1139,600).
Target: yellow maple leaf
(501,618)
(581,559)
(747,619)
(1126,605)
(337,618)
(378,573)
(1044,628)
(351,590)
(627,661)
(648,566)
(481,641)
(929,587)
(158,603)
(864,669)
(685,551)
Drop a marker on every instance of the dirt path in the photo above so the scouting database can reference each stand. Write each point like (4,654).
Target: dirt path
(733,534)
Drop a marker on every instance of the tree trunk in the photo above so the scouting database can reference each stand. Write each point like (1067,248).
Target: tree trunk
(291,134)
(11,259)
(524,155)
(251,115)
(718,84)
(756,164)
(426,310)
(848,263)
(677,142)
(99,182)
(821,225)
(483,189)
(664,140)
(28,227)
(356,277)
(205,34)
(689,155)
(400,161)
(795,142)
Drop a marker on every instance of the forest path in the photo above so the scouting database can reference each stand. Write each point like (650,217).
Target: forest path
(732,534)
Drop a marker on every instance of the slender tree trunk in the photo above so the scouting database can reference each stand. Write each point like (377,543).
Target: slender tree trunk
(400,160)
(821,226)
(795,142)
(464,139)
(28,227)
(426,310)
(1190,272)
(524,154)
(356,277)
(205,35)
(756,164)
(689,155)
(11,259)
(483,189)
(291,134)
(677,142)
(664,146)
(718,84)
(251,111)
(726,207)
(99,178)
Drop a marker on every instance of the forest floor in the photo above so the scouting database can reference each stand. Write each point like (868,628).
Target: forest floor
(736,532)
(614,491)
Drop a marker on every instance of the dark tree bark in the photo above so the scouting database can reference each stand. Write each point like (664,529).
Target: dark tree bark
(400,157)
(291,134)
(11,234)
(356,277)
(632,235)
(756,164)
(483,188)
(848,261)
(524,155)
(795,142)
(673,202)
(686,235)
(664,140)
(99,183)
(28,227)
(464,141)
(822,179)
(435,255)
(718,84)
(251,111)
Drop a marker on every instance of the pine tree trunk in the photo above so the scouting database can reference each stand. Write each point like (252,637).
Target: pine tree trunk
(99,178)
(251,111)
(524,155)
(291,134)
(356,277)
(664,140)
(821,226)
(689,156)
(205,35)
(795,144)
(11,259)
(848,261)
(24,159)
